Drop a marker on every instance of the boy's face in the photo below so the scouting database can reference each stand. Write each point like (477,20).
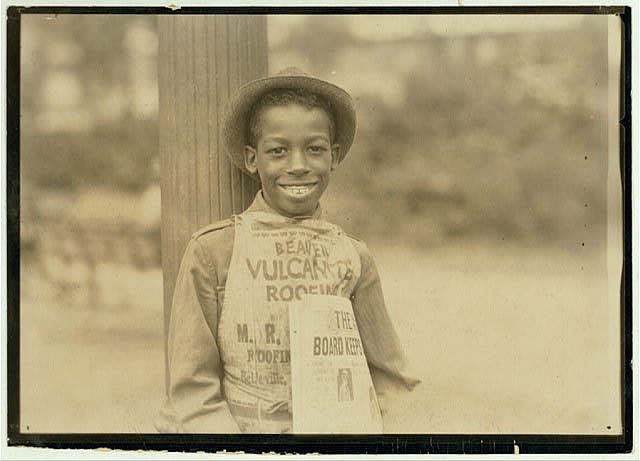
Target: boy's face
(293,157)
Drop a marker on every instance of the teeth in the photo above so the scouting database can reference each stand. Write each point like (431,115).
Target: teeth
(297,190)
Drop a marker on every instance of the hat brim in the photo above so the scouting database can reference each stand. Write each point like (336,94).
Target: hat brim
(238,108)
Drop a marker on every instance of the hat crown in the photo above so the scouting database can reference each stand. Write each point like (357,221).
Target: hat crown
(293,71)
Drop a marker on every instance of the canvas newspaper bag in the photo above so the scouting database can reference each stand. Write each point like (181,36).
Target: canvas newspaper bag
(280,265)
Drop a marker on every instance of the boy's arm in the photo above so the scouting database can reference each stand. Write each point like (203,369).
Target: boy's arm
(387,361)
(195,403)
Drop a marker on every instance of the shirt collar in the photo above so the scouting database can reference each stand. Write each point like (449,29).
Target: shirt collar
(259,204)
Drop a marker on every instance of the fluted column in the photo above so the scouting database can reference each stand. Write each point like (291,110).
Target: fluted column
(202,59)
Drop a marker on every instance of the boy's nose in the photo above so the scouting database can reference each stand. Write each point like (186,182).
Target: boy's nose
(298,163)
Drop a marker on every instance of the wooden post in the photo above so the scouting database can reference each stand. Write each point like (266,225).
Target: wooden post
(202,59)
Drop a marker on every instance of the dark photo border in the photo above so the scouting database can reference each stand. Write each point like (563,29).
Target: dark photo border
(374,444)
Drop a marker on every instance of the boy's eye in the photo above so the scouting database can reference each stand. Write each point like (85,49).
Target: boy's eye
(276,150)
(317,149)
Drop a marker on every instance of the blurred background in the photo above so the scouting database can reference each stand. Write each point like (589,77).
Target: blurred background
(480,178)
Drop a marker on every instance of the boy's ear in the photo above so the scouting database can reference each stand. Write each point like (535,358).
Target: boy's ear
(335,155)
(250,159)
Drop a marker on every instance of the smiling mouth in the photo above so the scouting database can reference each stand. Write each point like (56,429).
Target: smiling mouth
(298,190)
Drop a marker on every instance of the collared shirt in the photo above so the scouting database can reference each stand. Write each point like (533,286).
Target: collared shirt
(195,401)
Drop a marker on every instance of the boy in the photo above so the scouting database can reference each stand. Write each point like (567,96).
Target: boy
(229,357)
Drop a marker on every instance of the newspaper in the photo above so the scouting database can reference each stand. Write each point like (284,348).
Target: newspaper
(332,391)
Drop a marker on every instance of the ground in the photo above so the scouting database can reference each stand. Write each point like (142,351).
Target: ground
(505,340)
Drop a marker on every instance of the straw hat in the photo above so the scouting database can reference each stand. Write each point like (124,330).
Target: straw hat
(238,110)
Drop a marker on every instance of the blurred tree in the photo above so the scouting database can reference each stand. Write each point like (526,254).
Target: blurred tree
(83,120)
(478,135)
(488,134)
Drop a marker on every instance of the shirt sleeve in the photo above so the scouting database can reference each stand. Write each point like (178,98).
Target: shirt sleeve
(387,361)
(195,403)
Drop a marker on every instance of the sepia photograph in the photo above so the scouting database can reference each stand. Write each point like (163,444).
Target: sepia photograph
(398,223)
